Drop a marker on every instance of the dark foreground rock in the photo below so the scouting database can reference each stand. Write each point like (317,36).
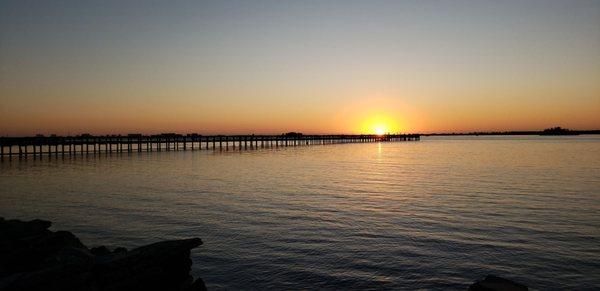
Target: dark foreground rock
(494,283)
(35,258)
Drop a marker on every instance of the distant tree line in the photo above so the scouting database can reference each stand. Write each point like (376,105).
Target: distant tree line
(548,131)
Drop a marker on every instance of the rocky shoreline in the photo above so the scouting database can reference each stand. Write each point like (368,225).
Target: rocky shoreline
(34,258)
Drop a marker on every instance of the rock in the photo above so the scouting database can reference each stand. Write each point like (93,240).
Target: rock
(494,283)
(35,258)
(119,250)
(12,229)
(198,285)
(156,267)
(100,251)
(26,246)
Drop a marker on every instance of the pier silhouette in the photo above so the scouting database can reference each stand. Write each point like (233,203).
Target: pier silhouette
(89,144)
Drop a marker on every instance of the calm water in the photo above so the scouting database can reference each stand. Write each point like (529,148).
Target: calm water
(435,214)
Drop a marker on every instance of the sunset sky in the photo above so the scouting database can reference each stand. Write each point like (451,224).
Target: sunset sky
(70,67)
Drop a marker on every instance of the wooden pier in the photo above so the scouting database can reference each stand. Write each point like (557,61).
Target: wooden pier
(86,144)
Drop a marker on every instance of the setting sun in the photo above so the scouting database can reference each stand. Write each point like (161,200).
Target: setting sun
(379,124)
(376,115)
(380,130)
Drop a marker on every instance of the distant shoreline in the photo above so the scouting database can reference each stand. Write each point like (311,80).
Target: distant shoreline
(294,134)
(597,131)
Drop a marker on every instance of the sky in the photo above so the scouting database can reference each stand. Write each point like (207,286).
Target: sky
(227,67)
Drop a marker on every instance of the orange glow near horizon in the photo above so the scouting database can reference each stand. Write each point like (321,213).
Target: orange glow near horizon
(377,115)
(379,125)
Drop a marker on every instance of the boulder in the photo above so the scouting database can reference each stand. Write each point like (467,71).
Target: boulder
(35,258)
(157,267)
(495,283)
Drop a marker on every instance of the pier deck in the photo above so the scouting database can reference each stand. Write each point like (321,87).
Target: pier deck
(89,144)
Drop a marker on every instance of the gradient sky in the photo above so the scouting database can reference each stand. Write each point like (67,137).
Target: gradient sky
(70,67)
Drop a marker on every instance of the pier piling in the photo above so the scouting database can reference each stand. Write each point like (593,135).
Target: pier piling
(86,144)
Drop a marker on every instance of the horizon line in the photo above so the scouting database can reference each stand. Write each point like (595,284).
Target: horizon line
(473,132)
